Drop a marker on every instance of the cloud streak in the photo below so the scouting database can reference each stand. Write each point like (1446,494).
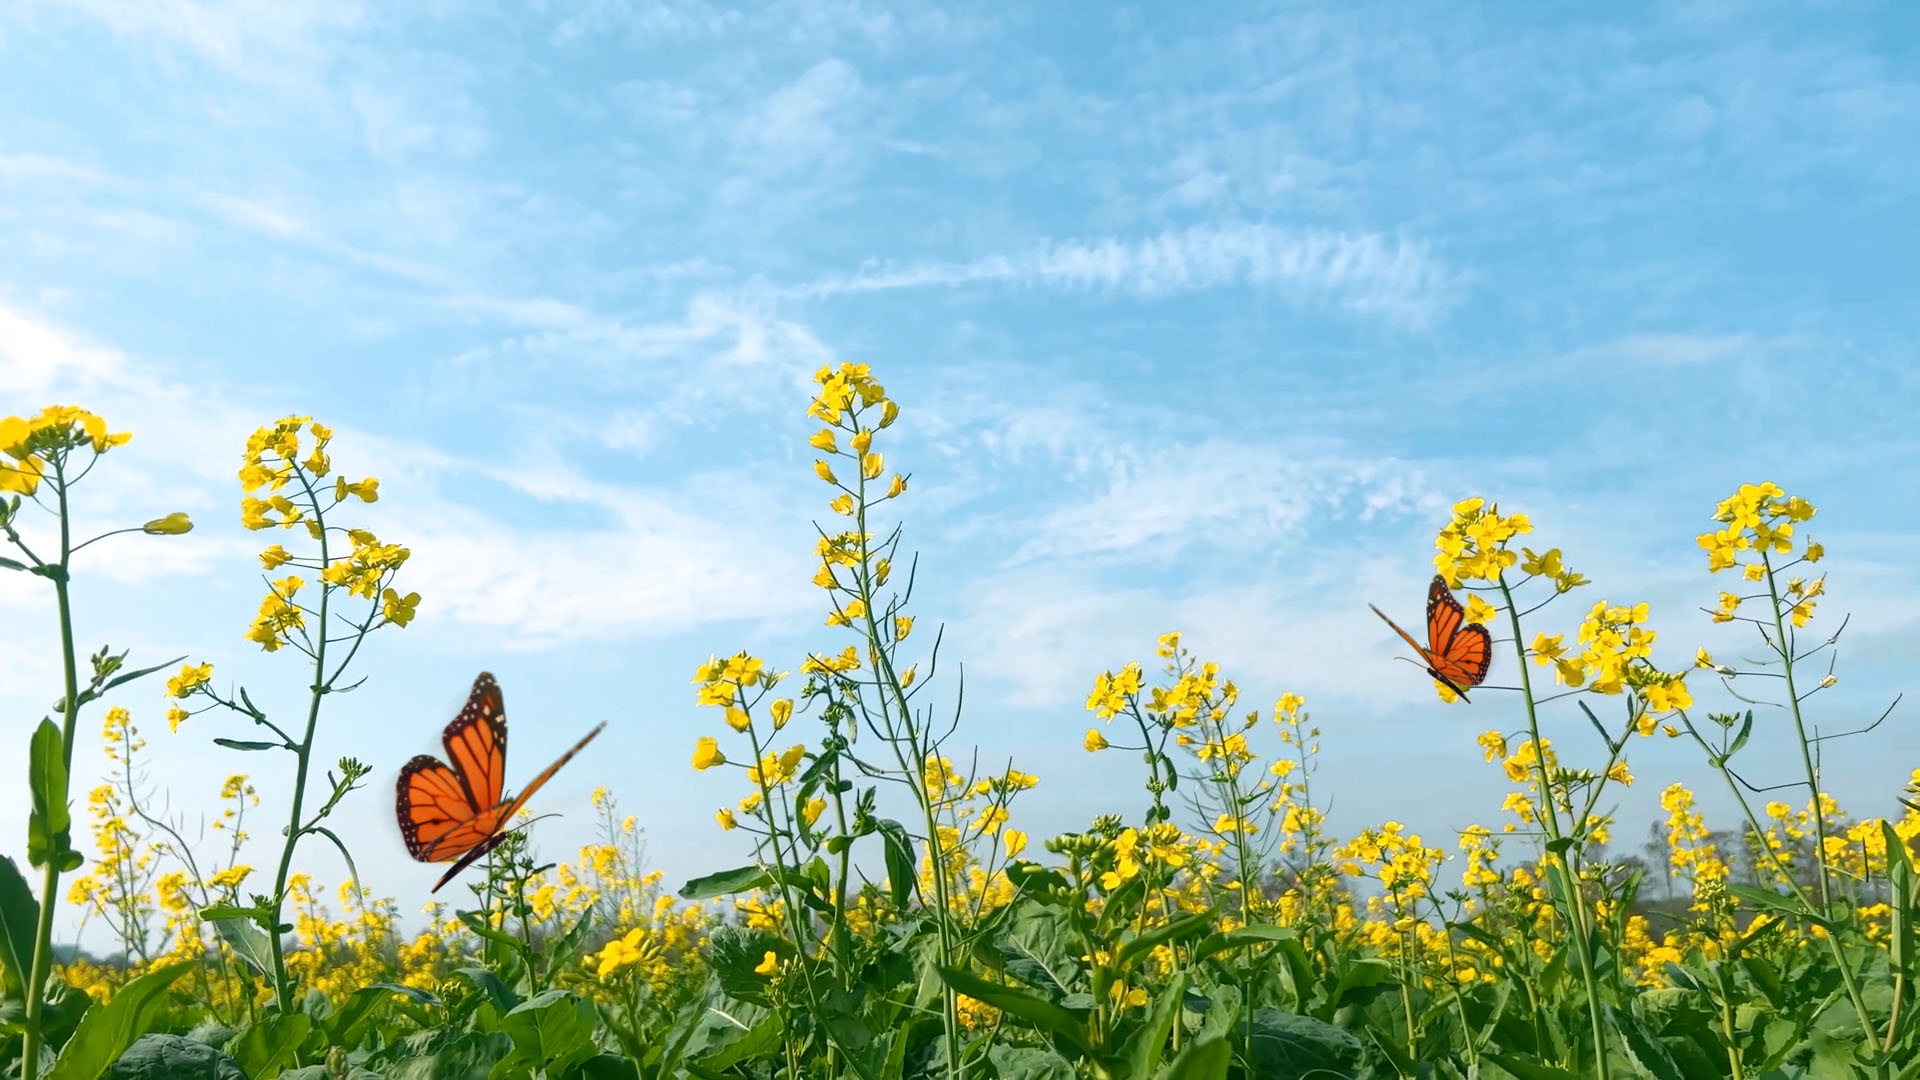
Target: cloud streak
(1364,272)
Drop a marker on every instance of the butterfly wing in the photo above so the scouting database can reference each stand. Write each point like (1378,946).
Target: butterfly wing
(1459,652)
(437,817)
(1408,638)
(490,823)
(537,782)
(476,742)
(442,807)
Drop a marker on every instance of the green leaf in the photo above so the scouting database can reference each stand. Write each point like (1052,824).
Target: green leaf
(725,883)
(898,847)
(1038,948)
(49,827)
(106,1031)
(737,1037)
(563,951)
(128,676)
(173,1057)
(1143,1049)
(1243,937)
(1530,1070)
(1649,1056)
(1043,1014)
(1903,943)
(246,744)
(19,923)
(552,1033)
(270,1045)
(1173,931)
(1034,879)
(348,1024)
(1359,975)
(1289,1044)
(1029,1063)
(1740,740)
(412,993)
(247,940)
(11,564)
(503,998)
(1201,1059)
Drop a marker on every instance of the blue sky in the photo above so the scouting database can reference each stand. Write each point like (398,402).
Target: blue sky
(1199,320)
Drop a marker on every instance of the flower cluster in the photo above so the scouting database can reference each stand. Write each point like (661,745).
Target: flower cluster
(39,442)
(1760,519)
(1473,546)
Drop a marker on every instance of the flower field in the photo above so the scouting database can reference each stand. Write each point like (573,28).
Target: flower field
(884,915)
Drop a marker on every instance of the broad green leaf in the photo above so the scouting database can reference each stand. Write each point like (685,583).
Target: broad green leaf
(898,847)
(1176,930)
(1043,1014)
(107,1030)
(552,1033)
(1243,937)
(497,991)
(1039,949)
(725,883)
(247,940)
(49,824)
(1143,1049)
(563,951)
(348,1024)
(1289,1044)
(270,1045)
(736,1035)
(1644,1049)
(172,1057)
(1029,1063)
(19,923)
(1530,1070)
(1202,1059)
(1359,975)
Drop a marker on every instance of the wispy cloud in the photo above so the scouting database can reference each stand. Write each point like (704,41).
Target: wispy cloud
(1369,273)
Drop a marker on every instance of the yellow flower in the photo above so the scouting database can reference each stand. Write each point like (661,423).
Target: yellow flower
(398,609)
(810,813)
(725,816)
(191,678)
(769,964)
(781,711)
(706,753)
(1095,741)
(825,472)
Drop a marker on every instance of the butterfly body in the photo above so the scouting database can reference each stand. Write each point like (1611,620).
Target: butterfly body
(1457,652)
(457,809)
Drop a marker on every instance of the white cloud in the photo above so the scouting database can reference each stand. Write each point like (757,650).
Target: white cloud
(1362,271)
(799,121)
(1163,499)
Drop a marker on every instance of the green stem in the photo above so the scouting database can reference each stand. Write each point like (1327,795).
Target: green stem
(889,680)
(1781,870)
(283,985)
(1800,729)
(42,965)
(1550,816)
(1733,1044)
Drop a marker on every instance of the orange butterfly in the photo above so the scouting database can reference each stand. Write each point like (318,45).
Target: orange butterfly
(458,812)
(1457,652)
